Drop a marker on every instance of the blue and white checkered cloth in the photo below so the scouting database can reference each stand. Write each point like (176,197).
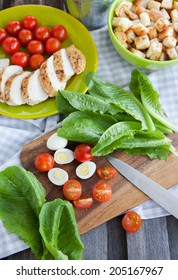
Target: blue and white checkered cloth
(15,133)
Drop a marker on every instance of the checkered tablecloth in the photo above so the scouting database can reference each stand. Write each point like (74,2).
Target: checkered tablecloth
(15,133)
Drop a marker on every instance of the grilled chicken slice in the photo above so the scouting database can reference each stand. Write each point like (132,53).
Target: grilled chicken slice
(12,89)
(32,91)
(4,62)
(48,78)
(76,58)
(5,75)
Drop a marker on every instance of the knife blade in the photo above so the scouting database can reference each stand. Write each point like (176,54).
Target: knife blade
(155,191)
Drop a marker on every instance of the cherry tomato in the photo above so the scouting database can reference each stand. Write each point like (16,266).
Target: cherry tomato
(44,162)
(20,58)
(42,33)
(84,202)
(29,22)
(35,46)
(102,192)
(36,60)
(59,32)
(3,35)
(11,45)
(25,36)
(82,153)
(106,172)
(72,189)
(52,45)
(131,222)
(13,27)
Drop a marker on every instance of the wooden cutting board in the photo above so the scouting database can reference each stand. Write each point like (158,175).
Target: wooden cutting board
(125,195)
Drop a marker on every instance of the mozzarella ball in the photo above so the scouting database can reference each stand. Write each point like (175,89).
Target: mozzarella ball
(86,169)
(63,156)
(56,142)
(58,176)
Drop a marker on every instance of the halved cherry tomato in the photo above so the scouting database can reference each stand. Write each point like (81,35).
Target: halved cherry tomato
(84,202)
(11,45)
(42,33)
(13,27)
(35,46)
(106,172)
(29,22)
(3,35)
(52,45)
(36,60)
(102,192)
(25,36)
(72,189)
(131,221)
(44,162)
(20,58)
(59,32)
(82,153)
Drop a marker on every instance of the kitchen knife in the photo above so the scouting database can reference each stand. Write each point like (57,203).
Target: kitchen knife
(159,194)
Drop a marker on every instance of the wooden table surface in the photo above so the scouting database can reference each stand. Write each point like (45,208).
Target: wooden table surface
(157,238)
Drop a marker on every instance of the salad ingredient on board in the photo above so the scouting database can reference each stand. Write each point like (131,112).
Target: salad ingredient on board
(131,221)
(147,28)
(102,191)
(58,176)
(83,202)
(22,199)
(56,142)
(63,156)
(106,172)
(72,189)
(82,153)
(45,82)
(44,162)
(138,123)
(86,169)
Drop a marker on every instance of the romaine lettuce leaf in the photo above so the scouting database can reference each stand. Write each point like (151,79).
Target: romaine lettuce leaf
(59,230)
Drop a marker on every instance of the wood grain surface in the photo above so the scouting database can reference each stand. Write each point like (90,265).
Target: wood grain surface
(125,195)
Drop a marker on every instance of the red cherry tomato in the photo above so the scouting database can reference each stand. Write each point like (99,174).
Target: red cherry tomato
(82,153)
(13,27)
(25,36)
(72,189)
(102,192)
(59,32)
(42,33)
(11,45)
(106,172)
(44,162)
(35,46)
(3,35)
(36,60)
(20,58)
(29,22)
(52,45)
(84,202)
(131,222)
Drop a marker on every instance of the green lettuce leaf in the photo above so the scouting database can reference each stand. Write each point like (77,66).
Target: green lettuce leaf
(87,127)
(59,230)
(21,199)
(117,131)
(149,97)
(120,97)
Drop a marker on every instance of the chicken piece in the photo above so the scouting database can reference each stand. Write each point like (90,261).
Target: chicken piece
(155,50)
(12,89)
(142,42)
(5,75)
(4,62)
(32,91)
(77,59)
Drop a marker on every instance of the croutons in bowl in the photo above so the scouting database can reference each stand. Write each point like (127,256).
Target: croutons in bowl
(145,32)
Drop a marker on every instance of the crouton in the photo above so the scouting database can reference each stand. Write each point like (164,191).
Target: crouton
(175,5)
(154,5)
(163,56)
(137,52)
(142,42)
(152,32)
(131,15)
(139,29)
(130,36)
(155,15)
(175,26)
(169,42)
(154,50)
(123,23)
(174,16)
(165,14)
(168,31)
(145,19)
(167,4)
(143,3)
(138,10)
(161,24)
(122,7)
(171,52)
(121,37)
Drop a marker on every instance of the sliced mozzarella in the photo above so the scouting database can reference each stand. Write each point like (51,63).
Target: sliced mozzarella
(48,78)
(12,89)
(56,142)
(4,62)
(58,176)
(32,91)
(5,75)
(86,169)
(63,156)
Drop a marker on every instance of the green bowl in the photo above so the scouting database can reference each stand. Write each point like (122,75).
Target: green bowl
(129,56)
